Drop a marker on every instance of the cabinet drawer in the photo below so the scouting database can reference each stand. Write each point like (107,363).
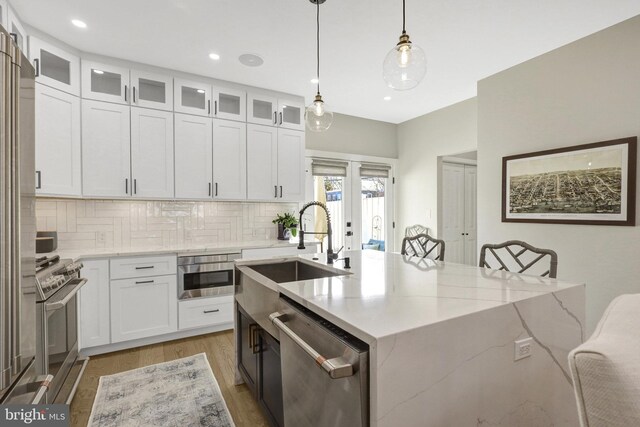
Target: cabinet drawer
(205,312)
(130,268)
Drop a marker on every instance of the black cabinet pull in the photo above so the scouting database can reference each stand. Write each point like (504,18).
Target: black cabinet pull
(216,190)
(209,189)
(280,118)
(275,189)
(126,185)
(211,311)
(38,180)
(208,106)
(144,281)
(135,186)
(275,118)
(281,191)
(215,108)
(125,93)
(36,65)
(134,94)
(145,267)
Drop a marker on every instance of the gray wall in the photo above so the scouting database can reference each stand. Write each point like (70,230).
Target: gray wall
(355,135)
(449,131)
(586,91)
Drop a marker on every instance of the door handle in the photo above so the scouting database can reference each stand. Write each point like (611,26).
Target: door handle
(38,180)
(349,233)
(36,66)
(335,368)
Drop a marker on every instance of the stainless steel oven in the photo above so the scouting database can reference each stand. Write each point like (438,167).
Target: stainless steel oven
(206,275)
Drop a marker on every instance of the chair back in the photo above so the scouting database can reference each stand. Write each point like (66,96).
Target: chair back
(519,257)
(423,246)
(416,229)
(606,368)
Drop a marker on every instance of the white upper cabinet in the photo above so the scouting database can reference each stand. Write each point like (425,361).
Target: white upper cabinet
(106,157)
(262,109)
(262,162)
(58,152)
(290,165)
(3,14)
(55,67)
(229,104)
(229,160)
(192,97)
(152,153)
(151,90)
(15,28)
(103,82)
(194,170)
(291,114)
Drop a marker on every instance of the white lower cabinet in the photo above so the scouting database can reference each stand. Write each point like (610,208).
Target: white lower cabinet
(94,323)
(201,312)
(143,307)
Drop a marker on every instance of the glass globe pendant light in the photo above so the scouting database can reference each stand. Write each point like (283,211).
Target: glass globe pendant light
(317,116)
(406,64)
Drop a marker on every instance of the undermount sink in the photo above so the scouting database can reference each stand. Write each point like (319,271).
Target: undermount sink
(292,271)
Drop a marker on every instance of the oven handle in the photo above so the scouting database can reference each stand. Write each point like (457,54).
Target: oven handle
(57,305)
(42,390)
(206,268)
(335,368)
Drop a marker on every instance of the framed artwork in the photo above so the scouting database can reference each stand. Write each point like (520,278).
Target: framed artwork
(585,184)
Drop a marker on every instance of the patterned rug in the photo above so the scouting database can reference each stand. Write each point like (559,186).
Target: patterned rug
(179,393)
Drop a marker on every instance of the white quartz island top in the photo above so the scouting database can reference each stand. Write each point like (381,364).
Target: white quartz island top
(387,293)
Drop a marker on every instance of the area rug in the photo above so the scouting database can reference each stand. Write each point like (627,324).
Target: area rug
(179,393)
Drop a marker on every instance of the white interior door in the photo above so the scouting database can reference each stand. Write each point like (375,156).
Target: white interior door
(193,156)
(470,215)
(229,160)
(453,211)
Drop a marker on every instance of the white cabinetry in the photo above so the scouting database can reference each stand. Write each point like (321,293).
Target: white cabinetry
(229,159)
(201,312)
(192,97)
(143,307)
(105,82)
(106,169)
(151,90)
(3,13)
(55,67)
(130,268)
(57,135)
(94,318)
(275,164)
(194,170)
(229,104)
(291,114)
(272,111)
(152,152)
(15,28)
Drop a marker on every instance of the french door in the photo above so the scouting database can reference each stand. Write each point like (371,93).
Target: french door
(357,196)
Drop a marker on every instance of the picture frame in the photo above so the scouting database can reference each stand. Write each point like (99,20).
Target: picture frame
(591,184)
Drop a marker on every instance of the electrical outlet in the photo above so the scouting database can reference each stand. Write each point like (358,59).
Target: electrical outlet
(522,348)
(101,237)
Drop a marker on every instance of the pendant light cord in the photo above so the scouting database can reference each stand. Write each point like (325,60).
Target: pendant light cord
(403,19)
(318,43)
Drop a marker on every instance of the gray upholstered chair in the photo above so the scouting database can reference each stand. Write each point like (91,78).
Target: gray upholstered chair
(423,246)
(519,257)
(606,368)
(416,229)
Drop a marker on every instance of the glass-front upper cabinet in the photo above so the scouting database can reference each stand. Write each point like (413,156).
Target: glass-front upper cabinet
(230,104)
(55,67)
(192,97)
(104,82)
(151,90)
(15,28)
(262,109)
(291,114)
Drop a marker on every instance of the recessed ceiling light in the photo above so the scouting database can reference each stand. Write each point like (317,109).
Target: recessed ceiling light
(200,91)
(98,71)
(250,60)
(315,81)
(387,98)
(78,23)
(214,56)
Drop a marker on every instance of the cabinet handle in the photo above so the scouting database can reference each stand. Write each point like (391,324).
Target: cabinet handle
(125,93)
(143,281)
(280,117)
(14,36)
(145,267)
(134,94)
(38,180)
(275,194)
(36,65)
(281,191)
(135,186)
(215,107)
(209,189)
(126,185)
(251,326)
(208,106)
(275,118)
(211,311)
(216,190)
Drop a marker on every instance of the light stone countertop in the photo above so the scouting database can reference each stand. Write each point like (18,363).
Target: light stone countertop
(388,293)
(182,249)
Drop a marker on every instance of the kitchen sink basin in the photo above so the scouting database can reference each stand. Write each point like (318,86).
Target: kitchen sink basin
(292,271)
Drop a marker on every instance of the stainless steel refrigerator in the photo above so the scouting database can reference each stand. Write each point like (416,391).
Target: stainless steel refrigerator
(18,380)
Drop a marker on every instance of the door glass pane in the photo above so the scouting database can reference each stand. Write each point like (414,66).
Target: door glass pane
(229,104)
(55,67)
(152,90)
(291,114)
(194,98)
(372,195)
(105,82)
(329,189)
(262,109)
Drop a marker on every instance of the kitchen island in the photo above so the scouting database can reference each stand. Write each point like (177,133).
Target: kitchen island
(441,336)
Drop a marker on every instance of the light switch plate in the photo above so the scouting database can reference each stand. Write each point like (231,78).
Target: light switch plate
(522,348)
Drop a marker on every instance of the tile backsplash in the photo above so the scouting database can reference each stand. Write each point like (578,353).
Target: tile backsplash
(88,224)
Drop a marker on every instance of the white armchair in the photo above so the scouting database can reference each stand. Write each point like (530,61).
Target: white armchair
(606,368)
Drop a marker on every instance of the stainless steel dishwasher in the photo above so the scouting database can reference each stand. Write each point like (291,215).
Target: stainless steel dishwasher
(325,370)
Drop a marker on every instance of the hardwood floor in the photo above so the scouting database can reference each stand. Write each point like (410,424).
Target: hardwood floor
(219,348)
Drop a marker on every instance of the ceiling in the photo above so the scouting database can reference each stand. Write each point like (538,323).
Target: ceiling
(464,40)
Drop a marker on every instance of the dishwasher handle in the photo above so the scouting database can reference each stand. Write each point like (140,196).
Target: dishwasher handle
(335,368)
